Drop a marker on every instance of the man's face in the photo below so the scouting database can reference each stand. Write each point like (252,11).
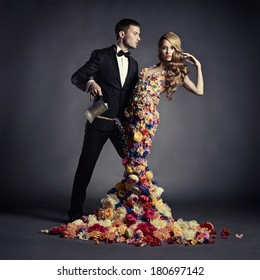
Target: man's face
(132,37)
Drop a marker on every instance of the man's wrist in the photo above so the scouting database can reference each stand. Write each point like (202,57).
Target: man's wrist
(88,85)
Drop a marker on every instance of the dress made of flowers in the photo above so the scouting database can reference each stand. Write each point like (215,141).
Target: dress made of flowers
(134,212)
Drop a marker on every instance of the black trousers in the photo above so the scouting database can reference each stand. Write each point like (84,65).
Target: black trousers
(94,141)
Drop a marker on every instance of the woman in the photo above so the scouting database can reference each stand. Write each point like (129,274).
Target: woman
(133,212)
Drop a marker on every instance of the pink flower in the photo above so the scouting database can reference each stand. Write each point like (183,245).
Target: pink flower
(124,161)
(130,219)
(146,228)
(57,230)
(97,227)
(149,214)
(239,236)
(144,198)
(207,225)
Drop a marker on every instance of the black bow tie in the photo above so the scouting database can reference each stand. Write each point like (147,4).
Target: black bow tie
(126,54)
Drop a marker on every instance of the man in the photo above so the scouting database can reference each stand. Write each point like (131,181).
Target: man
(112,74)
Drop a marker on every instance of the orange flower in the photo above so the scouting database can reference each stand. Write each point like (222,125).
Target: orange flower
(117,223)
(162,234)
(193,242)
(109,213)
(121,229)
(109,236)
(70,231)
(95,234)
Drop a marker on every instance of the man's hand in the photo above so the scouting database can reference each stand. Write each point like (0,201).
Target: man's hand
(95,89)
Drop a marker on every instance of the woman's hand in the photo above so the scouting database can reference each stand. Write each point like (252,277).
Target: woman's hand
(191,59)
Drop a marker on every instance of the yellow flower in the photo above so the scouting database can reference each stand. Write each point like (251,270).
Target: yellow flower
(138,136)
(109,214)
(158,223)
(149,175)
(153,200)
(113,229)
(159,203)
(139,168)
(177,231)
(129,169)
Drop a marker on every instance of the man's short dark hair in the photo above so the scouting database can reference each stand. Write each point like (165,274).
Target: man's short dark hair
(124,24)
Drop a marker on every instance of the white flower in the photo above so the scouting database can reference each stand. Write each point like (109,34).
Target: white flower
(158,223)
(133,178)
(156,191)
(189,233)
(78,222)
(105,223)
(83,235)
(110,201)
(165,210)
(187,224)
(193,224)
(92,219)
(120,213)
(138,208)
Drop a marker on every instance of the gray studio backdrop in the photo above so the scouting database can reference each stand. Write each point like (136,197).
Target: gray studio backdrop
(204,147)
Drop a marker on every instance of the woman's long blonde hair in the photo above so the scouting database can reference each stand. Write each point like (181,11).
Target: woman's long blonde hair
(176,69)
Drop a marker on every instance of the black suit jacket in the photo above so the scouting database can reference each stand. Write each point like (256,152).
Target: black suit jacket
(103,66)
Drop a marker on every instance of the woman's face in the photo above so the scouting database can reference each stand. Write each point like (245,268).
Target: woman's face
(166,50)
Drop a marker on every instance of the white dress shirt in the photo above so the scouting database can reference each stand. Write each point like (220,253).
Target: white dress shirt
(123,63)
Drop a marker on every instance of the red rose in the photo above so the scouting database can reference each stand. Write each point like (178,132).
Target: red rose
(130,219)
(57,230)
(149,214)
(207,225)
(144,198)
(97,227)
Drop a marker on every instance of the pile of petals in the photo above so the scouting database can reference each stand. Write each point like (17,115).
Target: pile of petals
(133,212)
(138,234)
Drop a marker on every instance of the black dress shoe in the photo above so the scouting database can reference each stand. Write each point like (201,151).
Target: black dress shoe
(74,216)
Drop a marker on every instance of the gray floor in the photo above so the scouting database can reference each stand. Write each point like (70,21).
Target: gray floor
(20,237)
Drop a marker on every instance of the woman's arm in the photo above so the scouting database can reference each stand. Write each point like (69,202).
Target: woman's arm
(187,83)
